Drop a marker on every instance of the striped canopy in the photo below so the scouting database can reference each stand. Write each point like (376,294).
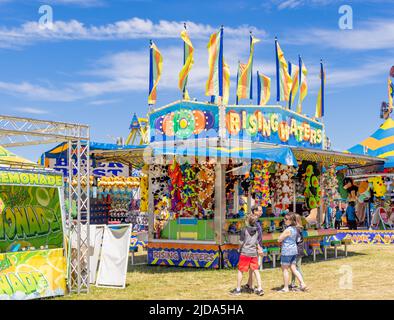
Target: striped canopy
(379,144)
(8,158)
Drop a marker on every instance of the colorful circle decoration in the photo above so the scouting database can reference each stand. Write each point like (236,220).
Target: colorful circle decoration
(184,123)
(168,124)
(199,118)
(210,120)
(159,124)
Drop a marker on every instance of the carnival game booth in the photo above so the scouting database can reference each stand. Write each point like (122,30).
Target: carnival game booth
(32,258)
(114,181)
(209,164)
(375,208)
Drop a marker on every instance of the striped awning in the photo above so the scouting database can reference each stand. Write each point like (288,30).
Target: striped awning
(380,144)
(328,158)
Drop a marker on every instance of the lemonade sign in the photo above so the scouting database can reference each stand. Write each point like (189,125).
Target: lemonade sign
(30,218)
(32,274)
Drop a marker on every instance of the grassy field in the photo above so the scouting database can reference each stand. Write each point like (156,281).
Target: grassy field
(371,268)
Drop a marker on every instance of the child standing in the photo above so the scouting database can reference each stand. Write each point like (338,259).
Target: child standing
(289,252)
(300,250)
(338,217)
(351,216)
(248,255)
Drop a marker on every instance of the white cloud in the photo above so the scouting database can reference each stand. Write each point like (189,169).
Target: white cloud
(371,35)
(30,110)
(134,28)
(103,102)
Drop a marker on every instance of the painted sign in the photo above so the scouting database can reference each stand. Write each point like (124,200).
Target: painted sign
(30,218)
(30,179)
(98,169)
(182,255)
(273,125)
(184,120)
(32,274)
(366,236)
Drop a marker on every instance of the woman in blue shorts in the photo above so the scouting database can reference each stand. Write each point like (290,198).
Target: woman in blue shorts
(289,252)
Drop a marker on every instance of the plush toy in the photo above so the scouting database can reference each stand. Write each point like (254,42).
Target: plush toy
(144,192)
(312,191)
(282,186)
(175,186)
(364,191)
(259,181)
(378,186)
(330,184)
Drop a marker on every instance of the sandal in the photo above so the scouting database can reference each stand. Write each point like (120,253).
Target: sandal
(304,288)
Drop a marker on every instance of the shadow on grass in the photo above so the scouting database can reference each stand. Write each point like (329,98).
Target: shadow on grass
(143,267)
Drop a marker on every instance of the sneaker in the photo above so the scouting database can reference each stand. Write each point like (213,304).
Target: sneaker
(235,292)
(259,292)
(245,288)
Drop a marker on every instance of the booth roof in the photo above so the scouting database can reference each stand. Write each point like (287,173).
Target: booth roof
(11,160)
(243,151)
(379,144)
(337,158)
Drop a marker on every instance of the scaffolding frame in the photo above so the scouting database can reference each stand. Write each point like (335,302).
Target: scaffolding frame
(20,132)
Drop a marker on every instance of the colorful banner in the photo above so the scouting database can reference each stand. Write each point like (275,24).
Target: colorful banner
(188,62)
(283,78)
(155,67)
(273,125)
(184,255)
(32,274)
(183,120)
(244,83)
(320,98)
(30,218)
(367,236)
(303,84)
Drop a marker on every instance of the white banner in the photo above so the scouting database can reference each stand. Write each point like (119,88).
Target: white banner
(96,239)
(114,256)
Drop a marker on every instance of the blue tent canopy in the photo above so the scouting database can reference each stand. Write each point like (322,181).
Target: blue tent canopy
(280,154)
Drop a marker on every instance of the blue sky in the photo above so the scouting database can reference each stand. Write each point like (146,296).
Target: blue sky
(92,66)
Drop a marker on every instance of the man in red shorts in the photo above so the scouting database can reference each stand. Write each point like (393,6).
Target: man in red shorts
(248,254)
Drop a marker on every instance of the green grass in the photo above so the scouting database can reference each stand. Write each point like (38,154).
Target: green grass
(371,267)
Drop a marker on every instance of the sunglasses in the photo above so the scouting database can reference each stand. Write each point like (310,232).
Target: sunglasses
(287,219)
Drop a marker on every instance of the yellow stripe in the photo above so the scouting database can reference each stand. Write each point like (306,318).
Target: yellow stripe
(154,261)
(386,155)
(374,144)
(210,262)
(182,263)
(170,262)
(388,124)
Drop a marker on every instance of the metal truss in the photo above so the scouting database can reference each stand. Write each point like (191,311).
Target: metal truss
(78,184)
(17,132)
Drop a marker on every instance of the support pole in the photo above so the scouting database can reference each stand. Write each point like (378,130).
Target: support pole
(220,200)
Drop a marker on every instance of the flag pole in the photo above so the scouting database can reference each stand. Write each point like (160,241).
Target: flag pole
(236,87)
(251,69)
(184,60)
(220,98)
(291,91)
(150,72)
(299,80)
(277,71)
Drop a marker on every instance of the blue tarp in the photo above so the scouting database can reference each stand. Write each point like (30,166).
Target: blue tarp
(282,155)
